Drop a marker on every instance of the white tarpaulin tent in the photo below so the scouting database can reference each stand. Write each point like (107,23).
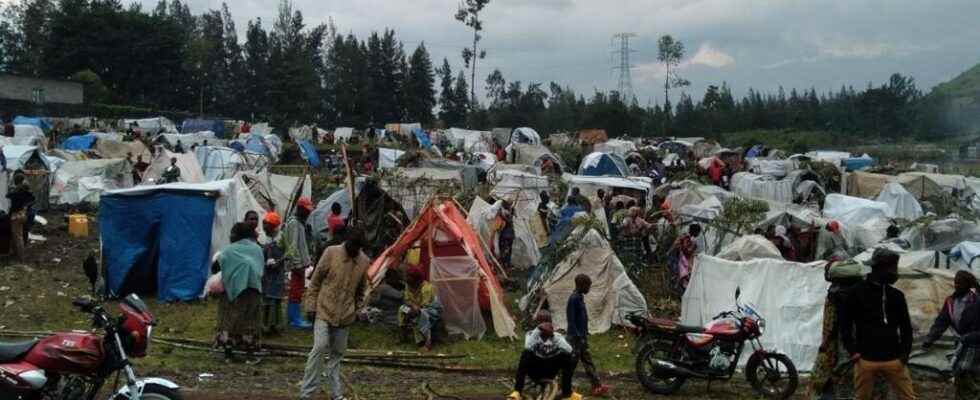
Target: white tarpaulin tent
(19,156)
(750,247)
(29,135)
(524,252)
(523,190)
(219,163)
(774,168)
(190,170)
(412,187)
(388,158)
(84,181)
(854,210)
(342,135)
(902,203)
(763,187)
(189,139)
(615,146)
(151,126)
(525,135)
(470,141)
(789,295)
(613,295)
(590,185)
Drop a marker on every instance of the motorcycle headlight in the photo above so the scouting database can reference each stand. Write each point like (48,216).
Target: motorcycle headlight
(762,326)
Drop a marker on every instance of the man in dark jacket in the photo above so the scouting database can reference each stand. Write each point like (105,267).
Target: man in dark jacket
(876,329)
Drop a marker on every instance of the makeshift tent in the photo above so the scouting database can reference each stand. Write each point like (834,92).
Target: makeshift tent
(704,148)
(485,161)
(639,187)
(403,128)
(592,136)
(269,146)
(750,247)
(79,143)
(33,121)
(799,184)
(535,156)
(524,252)
(382,216)
(902,203)
(309,153)
(388,158)
(774,168)
(523,190)
(219,163)
(305,132)
(615,146)
(470,141)
(119,149)
(948,183)
(29,135)
(965,254)
(613,295)
(459,269)
(318,218)
(217,127)
(412,187)
(858,163)
(190,169)
(343,135)
(84,181)
(36,169)
(525,135)
(696,194)
(158,238)
(866,185)
(151,126)
(830,156)
(603,164)
(169,140)
(853,210)
(793,308)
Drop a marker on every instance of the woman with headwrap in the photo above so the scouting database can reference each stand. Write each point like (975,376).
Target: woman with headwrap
(782,242)
(961,311)
(242,263)
(421,310)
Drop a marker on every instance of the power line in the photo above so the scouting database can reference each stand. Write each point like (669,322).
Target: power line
(625,76)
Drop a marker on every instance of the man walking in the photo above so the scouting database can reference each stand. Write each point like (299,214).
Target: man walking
(876,329)
(332,302)
(578,332)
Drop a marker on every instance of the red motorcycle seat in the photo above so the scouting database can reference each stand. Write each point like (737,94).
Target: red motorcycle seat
(10,352)
(689,329)
(672,325)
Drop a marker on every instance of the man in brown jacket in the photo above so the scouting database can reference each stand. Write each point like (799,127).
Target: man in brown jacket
(332,300)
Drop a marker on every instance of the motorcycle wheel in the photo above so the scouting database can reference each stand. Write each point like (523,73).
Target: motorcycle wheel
(772,375)
(153,391)
(646,372)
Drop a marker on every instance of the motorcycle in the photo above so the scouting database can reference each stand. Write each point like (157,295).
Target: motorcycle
(75,365)
(671,353)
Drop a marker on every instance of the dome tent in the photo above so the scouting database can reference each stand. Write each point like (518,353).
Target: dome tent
(603,164)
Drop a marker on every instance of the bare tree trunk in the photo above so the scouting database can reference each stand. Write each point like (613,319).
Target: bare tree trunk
(667,101)
(473,73)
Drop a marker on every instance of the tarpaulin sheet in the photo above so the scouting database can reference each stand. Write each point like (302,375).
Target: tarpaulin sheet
(202,125)
(388,158)
(524,251)
(309,153)
(84,181)
(80,142)
(456,281)
(525,135)
(775,168)
(423,138)
(763,187)
(35,121)
(853,210)
(190,169)
(902,203)
(161,224)
(793,308)
(603,164)
(613,295)
(750,247)
(615,146)
(151,126)
(342,135)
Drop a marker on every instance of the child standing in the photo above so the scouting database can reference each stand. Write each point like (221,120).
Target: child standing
(578,332)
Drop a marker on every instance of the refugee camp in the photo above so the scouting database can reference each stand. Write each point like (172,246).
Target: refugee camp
(489,199)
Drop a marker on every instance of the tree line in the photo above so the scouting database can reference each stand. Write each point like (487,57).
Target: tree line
(292,72)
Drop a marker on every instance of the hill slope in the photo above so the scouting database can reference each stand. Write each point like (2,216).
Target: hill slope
(959,101)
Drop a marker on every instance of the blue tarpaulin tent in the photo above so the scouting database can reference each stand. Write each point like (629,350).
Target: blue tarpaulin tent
(35,121)
(603,164)
(858,163)
(255,144)
(156,240)
(424,141)
(309,153)
(80,142)
(201,125)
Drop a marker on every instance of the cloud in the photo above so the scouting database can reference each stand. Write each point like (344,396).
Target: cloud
(711,57)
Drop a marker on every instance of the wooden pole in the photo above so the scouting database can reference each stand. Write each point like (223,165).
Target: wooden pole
(349,181)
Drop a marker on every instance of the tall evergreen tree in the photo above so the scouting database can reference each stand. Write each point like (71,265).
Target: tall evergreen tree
(420,95)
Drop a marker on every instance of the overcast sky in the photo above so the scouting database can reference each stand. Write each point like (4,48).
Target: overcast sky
(746,43)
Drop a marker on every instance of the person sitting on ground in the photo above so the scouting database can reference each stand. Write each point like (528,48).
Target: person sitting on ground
(546,354)
(274,276)
(388,297)
(781,240)
(172,173)
(877,331)
(421,310)
(242,264)
(578,332)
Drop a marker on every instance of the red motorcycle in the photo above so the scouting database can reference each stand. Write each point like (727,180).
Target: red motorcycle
(671,353)
(75,365)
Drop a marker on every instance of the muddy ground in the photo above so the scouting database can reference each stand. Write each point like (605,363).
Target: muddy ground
(35,295)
